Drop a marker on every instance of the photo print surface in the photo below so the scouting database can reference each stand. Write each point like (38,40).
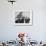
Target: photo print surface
(23,17)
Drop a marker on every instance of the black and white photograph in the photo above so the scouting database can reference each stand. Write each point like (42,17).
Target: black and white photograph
(23,17)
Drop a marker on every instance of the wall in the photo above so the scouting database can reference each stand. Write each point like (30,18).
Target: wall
(9,31)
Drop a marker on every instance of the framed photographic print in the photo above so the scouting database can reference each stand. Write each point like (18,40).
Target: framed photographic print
(23,17)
